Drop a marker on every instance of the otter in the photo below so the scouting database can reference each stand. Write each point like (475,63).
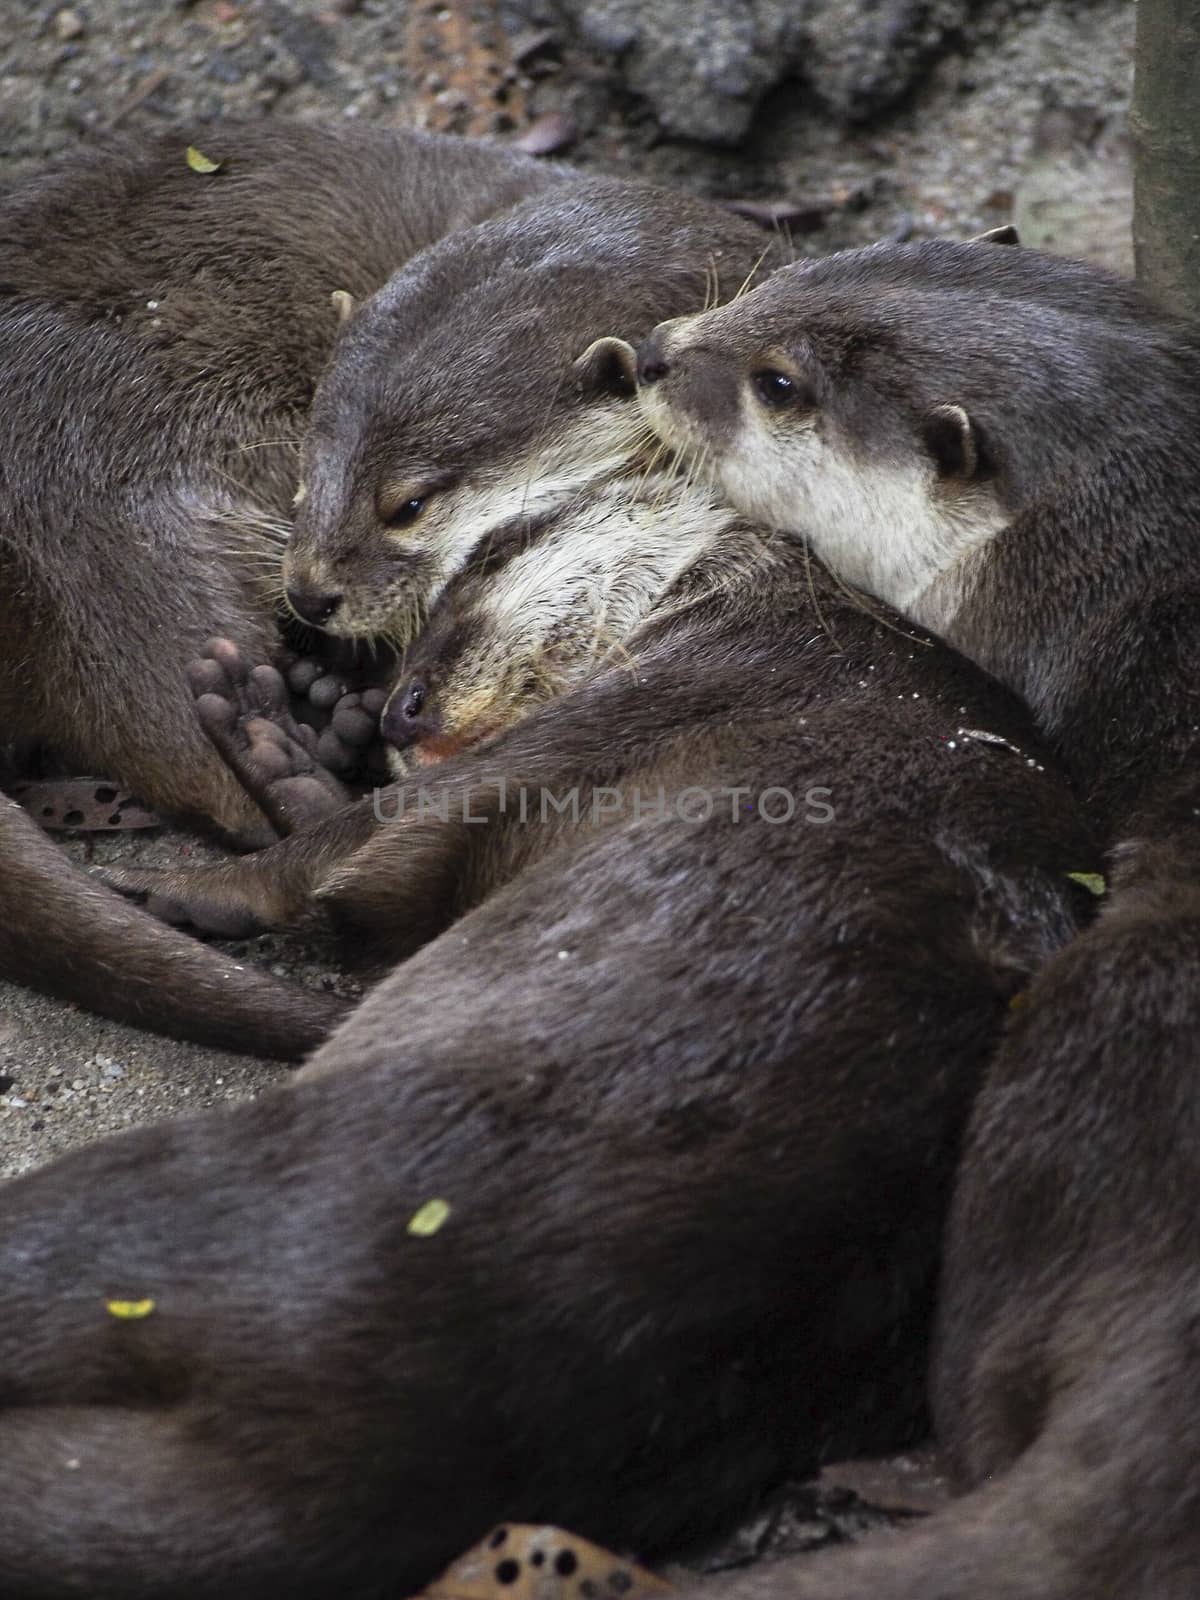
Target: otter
(622,1196)
(135,969)
(1005,446)
(134,286)
(955,431)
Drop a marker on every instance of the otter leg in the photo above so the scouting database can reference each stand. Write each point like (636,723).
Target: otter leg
(62,932)
(271,889)
(245,712)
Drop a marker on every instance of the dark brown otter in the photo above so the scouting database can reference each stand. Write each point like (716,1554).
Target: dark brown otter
(1007,444)
(707,958)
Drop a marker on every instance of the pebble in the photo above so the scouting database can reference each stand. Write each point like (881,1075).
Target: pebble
(68,25)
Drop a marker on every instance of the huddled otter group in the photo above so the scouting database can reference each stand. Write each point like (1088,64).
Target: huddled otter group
(162,331)
(740,921)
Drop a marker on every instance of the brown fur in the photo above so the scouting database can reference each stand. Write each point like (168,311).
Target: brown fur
(692,1092)
(161,334)
(132,967)
(126,542)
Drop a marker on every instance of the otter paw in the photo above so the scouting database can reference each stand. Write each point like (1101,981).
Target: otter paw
(342,710)
(185,899)
(246,714)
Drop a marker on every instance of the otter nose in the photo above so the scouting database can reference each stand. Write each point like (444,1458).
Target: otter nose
(403,722)
(652,359)
(310,605)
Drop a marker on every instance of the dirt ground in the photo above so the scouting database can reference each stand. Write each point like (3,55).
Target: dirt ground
(1014,111)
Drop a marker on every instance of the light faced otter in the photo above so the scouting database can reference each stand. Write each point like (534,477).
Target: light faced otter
(528,625)
(997,442)
(683,1049)
(1007,445)
(161,333)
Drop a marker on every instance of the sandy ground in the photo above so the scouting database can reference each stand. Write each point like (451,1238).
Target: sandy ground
(68,1077)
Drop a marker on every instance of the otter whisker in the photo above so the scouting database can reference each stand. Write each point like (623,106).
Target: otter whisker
(748,280)
(269,444)
(812,593)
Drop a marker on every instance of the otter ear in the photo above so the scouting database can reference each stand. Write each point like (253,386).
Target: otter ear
(608,367)
(343,303)
(952,441)
(1005,234)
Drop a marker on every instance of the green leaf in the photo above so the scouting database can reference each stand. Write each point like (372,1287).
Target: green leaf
(199,162)
(129,1310)
(1091,881)
(429,1219)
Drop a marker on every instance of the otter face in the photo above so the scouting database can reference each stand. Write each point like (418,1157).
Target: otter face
(838,415)
(454,419)
(508,637)
(410,475)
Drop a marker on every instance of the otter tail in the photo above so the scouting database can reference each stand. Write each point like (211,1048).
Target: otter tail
(1101,1506)
(65,934)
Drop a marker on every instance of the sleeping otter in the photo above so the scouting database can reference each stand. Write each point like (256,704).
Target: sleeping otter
(161,334)
(1005,445)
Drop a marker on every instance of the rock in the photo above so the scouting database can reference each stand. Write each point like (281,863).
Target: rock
(68,25)
(861,59)
(704,65)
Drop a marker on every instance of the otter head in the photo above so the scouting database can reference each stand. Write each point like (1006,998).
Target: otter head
(468,400)
(538,617)
(898,406)
(818,413)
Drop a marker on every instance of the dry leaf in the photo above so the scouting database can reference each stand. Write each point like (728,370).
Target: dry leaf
(518,1561)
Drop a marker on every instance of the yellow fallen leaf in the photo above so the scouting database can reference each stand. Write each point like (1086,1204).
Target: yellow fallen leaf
(429,1219)
(199,162)
(1091,881)
(129,1310)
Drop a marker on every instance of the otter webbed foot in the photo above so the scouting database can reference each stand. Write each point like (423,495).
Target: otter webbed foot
(247,715)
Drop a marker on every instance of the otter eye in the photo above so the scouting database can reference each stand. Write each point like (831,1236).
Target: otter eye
(775,389)
(407,512)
